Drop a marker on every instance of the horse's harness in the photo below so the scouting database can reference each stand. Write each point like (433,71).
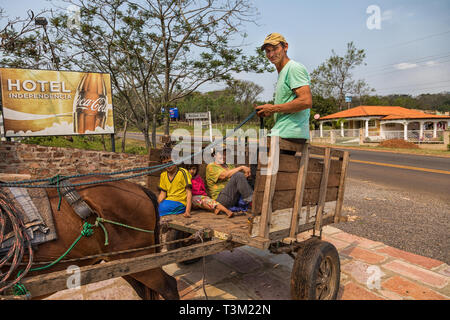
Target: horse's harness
(81,208)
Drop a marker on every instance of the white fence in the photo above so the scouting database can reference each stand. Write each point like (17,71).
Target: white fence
(412,135)
(337,133)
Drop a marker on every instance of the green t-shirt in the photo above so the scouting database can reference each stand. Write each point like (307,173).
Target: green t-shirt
(213,172)
(291,125)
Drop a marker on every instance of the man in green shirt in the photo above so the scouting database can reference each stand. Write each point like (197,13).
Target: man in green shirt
(293,98)
(227,183)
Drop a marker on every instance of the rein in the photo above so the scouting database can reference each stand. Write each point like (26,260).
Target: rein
(23,241)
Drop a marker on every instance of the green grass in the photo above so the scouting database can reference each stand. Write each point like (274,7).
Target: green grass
(92,142)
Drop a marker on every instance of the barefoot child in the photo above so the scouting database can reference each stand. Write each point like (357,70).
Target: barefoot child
(175,188)
(200,198)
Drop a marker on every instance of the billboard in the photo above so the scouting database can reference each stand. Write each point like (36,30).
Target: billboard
(173,113)
(45,102)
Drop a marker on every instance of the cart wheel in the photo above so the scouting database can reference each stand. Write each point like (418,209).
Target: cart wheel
(316,272)
(173,235)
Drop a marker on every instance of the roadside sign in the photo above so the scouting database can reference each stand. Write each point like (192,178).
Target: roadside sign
(197,116)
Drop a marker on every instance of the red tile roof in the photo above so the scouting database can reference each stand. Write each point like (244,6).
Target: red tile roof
(385,112)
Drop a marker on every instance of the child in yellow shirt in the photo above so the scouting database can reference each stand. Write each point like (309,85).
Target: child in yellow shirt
(175,195)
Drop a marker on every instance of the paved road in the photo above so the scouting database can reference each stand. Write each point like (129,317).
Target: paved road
(425,175)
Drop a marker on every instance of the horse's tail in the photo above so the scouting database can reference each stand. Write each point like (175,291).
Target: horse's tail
(154,200)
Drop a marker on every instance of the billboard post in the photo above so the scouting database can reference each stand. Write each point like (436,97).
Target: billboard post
(113,143)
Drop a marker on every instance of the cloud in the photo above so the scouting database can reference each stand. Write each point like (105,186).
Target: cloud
(405,65)
(430,63)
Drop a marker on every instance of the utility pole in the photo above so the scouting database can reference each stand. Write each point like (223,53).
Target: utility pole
(42,21)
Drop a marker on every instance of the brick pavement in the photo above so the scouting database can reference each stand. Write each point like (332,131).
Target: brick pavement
(369,270)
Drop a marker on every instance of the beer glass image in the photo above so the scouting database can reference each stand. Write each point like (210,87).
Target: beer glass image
(90,104)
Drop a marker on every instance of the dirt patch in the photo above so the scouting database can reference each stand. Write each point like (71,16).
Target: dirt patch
(398,143)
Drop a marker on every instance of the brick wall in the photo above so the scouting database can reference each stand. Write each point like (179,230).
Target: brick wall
(41,162)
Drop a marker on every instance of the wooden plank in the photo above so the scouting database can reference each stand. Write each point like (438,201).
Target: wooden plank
(290,163)
(288,181)
(235,237)
(299,190)
(285,199)
(308,213)
(289,145)
(271,179)
(317,165)
(259,243)
(279,235)
(323,189)
(9,177)
(321,151)
(340,199)
(57,281)
(235,229)
(24,297)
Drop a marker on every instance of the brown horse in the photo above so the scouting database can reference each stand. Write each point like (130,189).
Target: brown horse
(119,201)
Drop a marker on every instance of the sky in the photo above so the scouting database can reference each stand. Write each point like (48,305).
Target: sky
(407,52)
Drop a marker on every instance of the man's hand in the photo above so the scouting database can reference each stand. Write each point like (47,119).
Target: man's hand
(266,110)
(246,171)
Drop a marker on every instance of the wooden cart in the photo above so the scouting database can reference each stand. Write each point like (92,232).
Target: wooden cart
(286,205)
(288,213)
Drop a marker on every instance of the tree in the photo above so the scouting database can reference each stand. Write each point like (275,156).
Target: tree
(361,90)
(244,92)
(322,106)
(160,50)
(167,49)
(333,78)
(25,43)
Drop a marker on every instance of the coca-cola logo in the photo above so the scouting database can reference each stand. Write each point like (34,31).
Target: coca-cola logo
(95,105)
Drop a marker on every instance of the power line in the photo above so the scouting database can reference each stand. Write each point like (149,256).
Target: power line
(414,40)
(428,88)
(384,73)
(408,85)
(416,60)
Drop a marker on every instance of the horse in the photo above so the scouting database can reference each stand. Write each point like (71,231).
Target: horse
(121,201)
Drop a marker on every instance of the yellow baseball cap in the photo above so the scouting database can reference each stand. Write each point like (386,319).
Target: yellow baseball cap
(273,39)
